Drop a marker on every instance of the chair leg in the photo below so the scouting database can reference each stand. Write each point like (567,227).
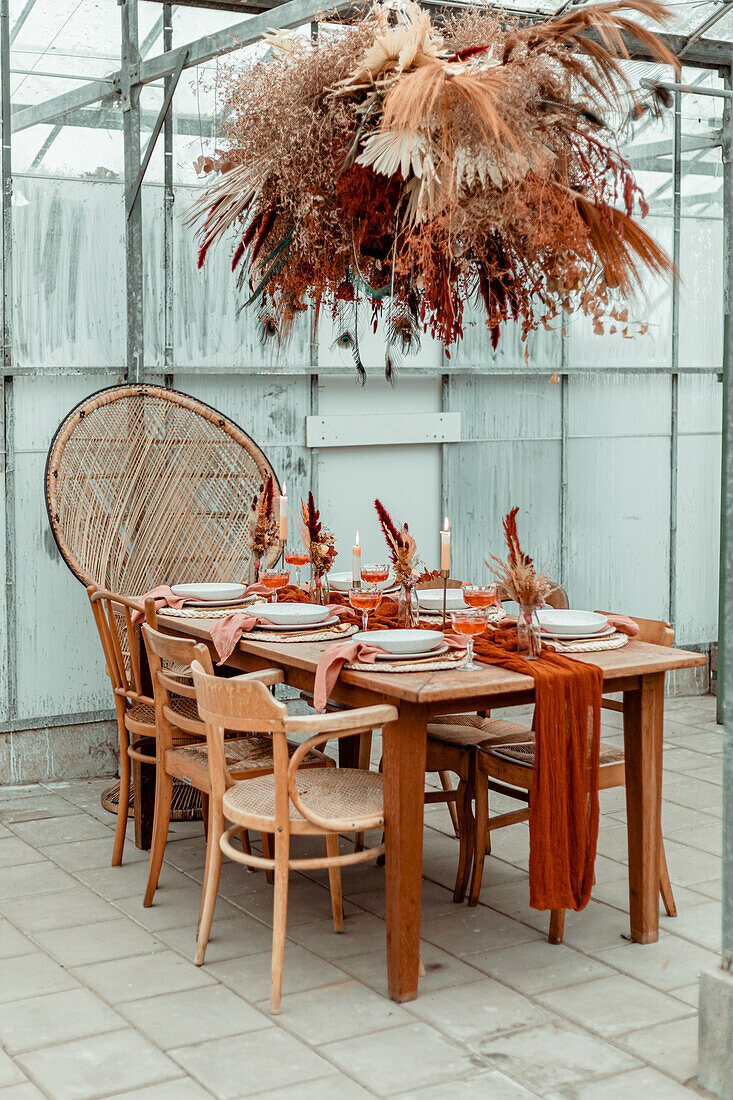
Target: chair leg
(420,967)
(280,916)
(211,884)
(123,806)
(481,833)
(447,784)
(365,759)
(334,880)
(161,821)
(205,814)
(557,926)
(665,886)
(267,853)
(466,838)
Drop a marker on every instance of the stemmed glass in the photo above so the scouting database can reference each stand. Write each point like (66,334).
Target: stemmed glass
(374,574)
(469,623)
(274,579)
(480,595)
(298,558)
(365,599)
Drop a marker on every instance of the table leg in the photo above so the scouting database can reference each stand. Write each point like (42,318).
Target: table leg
(143,783)
(643,744)
(404,745)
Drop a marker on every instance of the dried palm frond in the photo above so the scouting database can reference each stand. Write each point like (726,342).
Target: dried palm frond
(401,546)
(316,538)
(517,573)
(264,529)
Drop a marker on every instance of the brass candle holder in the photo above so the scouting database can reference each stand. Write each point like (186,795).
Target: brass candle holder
(444,574)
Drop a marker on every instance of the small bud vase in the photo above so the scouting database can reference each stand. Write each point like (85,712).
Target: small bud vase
(529,639)
(408,608)
(320,591)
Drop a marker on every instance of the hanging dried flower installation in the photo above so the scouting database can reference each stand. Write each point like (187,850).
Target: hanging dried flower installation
(387,167)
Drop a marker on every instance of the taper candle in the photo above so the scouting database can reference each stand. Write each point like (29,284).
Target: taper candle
(356,562)
(445,548)
(284,514)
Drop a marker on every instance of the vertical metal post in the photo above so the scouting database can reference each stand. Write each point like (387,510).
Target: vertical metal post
(725,631)
(314,396)
(445,396)
(6,198)
(564,427)
(130,100)
(675,352)
(168,209)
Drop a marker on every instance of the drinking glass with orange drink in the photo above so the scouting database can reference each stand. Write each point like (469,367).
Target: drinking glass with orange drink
(365,599)
(479,595)
(298,558)
(374,574)
(274,579)
(469,623)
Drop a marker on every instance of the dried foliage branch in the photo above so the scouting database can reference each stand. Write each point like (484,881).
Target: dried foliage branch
(318,541)
(401,546)
(414,170)
(264,531)
(517,573)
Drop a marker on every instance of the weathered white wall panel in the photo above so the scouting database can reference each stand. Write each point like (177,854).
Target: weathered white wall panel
(541,350)
(60,663)
(69,274)
(701,293)
(3,630)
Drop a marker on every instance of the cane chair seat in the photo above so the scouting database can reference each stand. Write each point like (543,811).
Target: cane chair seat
(244,754)
(523,752)
(142,714)
(331,793)
(466,730)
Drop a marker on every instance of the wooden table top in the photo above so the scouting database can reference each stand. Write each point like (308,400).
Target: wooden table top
(432,688)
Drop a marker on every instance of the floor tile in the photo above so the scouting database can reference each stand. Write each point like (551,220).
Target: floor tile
(131,878)
(442,970)
(84,855)
(336,1087)
(33,878)
(230,937)
(612,1006)
(664,964)
(31,805)
(540,966)
(61,830)
(26,1091)
(89,1068)
(14,851)
(66,909)
(171,908)
(471,931)
(250,975)
(486,1086)
(53,1018)
(555,1054)
(9,1072)
(97,942)
(13,942)
(339,1011)
(648,1083)
(28,975)
(362,932)
(671,1047)
(409,1057)
(243,1065)
(182,1088)
(193,1016)
(474,1012)
(141,976)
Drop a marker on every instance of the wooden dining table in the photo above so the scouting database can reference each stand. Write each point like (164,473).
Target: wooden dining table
(637,670)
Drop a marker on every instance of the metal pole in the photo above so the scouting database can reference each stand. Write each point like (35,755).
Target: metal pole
(168,209)
(675,352)
(6,197)
(134,224)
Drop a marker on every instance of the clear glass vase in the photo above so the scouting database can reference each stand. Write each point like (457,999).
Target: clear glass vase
(529,639)
(320,591)
(408,608)
(255,568)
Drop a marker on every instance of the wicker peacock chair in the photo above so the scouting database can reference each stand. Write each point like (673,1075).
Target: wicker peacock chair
(146,485)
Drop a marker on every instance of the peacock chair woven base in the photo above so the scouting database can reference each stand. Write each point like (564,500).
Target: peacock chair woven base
(186,805)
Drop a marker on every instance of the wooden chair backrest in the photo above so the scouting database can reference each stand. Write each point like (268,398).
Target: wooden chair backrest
(178,651)
(654,631)
(120,639)
(145,485)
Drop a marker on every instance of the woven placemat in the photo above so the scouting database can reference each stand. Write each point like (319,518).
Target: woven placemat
(454,659)
(492,615)
(203,612)
(613,641)
(328,634)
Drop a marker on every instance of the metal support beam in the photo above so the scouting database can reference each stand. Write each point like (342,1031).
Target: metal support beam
(133,199)
(20,21)
(675,352)
(168,199)
(8,418)
(693,89)
(170,87)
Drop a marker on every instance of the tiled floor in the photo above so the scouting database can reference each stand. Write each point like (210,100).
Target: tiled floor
(99,997)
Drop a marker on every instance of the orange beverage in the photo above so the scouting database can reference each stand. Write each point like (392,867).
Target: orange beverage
(365,600)
(479,595)
(469,627)
(297,560)
(275,579)
(374,574)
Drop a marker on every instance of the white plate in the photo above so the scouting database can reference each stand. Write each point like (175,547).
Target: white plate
(342,582)
(410,642)
(579,637)
(291,614)
(294,628)
(571,622)
(411,656)
(209,592)
(431,599)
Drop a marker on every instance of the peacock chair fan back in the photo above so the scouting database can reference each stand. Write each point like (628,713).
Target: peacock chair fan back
(146,486)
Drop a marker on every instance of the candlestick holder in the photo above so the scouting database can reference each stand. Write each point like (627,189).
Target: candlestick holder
(281,556)
(444,574)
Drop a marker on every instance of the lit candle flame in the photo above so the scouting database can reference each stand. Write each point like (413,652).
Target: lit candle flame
(356,539)
(445,526)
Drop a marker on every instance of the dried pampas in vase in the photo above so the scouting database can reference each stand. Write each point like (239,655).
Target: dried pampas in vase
(403,552)
(524,585)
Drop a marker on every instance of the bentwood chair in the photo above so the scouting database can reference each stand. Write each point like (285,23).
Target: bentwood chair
(134,705)
(177,716)
(288,802)
(505,763)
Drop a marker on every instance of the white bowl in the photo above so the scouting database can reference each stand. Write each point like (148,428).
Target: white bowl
(431,599)
(342,582)
(401,641)
(571,622)
(214,592)
(290,614)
